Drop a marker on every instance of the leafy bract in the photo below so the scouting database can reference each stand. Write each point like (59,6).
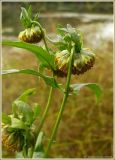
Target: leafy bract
(49,80)
(25,95)
(23,111)
(17,123)
(6,119)
(93,86)
(44,57)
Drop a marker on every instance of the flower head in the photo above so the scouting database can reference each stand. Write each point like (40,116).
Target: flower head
(82,62)
(12,141)
(31,35)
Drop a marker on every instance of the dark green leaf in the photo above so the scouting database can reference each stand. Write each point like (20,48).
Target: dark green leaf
(6,119)
(93,86)
(46,58)
(49,80)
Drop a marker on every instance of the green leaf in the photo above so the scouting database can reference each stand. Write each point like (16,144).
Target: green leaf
(6,119)
(49,80)
(93,86)
(38,145)
(19,155)
(46,58)
(23,111)
(30,11)
(24,17)
(25,95)
(16,123)
(36,110)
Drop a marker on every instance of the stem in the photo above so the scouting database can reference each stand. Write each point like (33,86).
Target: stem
(55,128)
(35,22)
(50,93)
(46,110)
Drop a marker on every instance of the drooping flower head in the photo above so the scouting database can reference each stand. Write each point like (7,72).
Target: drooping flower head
(83,59)
(32,32)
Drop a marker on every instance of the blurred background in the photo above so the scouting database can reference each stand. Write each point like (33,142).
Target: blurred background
(86,129)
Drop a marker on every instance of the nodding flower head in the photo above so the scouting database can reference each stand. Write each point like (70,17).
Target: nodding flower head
(12,141)
(31,35)
(82,62)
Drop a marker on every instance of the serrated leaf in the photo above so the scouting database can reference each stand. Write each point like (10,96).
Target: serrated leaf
(6,119)
(49,80)
(93,86)
(41,54)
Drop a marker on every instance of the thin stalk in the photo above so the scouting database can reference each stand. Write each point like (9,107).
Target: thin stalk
(46,110)
(55,128)
(44,39)
(50,93)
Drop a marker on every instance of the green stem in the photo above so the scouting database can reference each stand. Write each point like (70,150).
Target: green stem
(50,93)
(55,128)
(46,110)
(35,22)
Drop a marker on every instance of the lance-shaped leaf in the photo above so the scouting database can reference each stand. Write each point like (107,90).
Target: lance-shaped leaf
(46,58)
(93,86)
(25,95)
(49,80)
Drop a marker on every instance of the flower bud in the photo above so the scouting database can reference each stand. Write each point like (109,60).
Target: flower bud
(31,35)
(82,62)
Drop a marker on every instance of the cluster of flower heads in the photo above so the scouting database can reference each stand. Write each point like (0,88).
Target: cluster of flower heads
(83,59)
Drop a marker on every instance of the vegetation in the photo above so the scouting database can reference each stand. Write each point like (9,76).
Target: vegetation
(89,131)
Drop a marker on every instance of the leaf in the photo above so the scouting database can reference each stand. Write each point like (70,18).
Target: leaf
(46,58)
(25,95)
(6,119)
(24,18)
(16,123)
(49,80)
(93,86)
(30,11)
(38,145)
(23,111)
(36,110)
